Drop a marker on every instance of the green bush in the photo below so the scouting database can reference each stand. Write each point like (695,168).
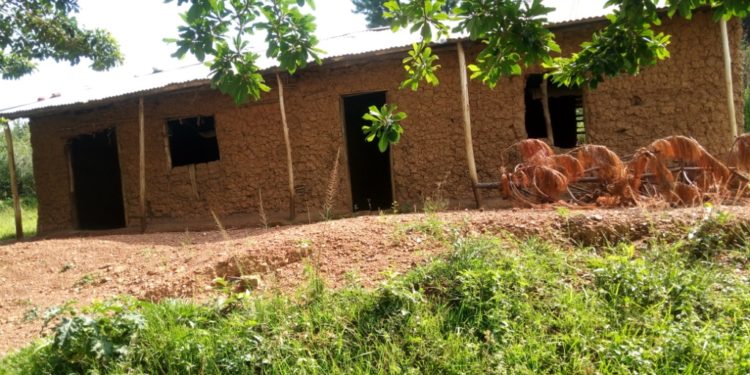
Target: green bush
(490,306)
(23,157)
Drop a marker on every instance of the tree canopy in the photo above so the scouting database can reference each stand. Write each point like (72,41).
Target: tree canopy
(221,30)
(35,30)
(374,11)
(514,34)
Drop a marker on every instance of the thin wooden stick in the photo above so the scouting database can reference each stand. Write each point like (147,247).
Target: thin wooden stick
(467,124)
(728,78)
(547,116)
(289,163)
(13,181)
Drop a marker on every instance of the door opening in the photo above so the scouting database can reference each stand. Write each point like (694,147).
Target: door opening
(369,169)
(96,181)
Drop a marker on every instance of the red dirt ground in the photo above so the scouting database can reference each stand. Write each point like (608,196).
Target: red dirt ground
(41,273)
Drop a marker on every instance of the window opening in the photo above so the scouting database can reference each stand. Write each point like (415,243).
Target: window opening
(565,108)
(192,141)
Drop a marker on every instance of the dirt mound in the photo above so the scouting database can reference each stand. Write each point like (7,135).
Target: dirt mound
(50,272)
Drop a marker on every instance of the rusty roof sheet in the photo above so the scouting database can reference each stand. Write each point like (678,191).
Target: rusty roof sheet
(567,12)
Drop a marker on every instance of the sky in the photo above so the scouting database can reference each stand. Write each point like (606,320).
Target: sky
(140,27)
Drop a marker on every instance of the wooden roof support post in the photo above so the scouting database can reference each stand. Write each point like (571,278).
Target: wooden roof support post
(142,164)
(13,181)
(465,106)
(289,164)
(545,109)
(728,78)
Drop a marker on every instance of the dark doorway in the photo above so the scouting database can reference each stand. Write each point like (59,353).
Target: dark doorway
(369,169)
(96,181)
(565,109)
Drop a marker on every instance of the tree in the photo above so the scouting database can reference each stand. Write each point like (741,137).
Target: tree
(35,30)
(374,10)
(515,37)
(221,30)
(24,166)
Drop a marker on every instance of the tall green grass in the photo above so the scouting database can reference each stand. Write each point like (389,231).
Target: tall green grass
(8,218)
(493,305)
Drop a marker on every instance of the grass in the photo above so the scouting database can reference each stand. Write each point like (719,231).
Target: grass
(492,305)
(7,218)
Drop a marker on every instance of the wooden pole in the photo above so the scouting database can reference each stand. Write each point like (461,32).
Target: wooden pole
(142,164)
(728,78)
(13,182)
(545,109)
(465,107)
(289,164)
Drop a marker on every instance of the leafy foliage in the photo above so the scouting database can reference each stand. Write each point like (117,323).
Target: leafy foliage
(386,125)
(23,158)
(490,306)
(35,30)
(374,10)
(515,36)
(220,30)
(627,44)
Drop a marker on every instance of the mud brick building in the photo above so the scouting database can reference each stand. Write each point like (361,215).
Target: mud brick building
(203,153)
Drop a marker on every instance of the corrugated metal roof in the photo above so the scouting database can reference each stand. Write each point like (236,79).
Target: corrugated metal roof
(357,43)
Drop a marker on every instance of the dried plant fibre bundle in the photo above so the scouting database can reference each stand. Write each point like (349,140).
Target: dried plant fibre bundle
(526,151)
(739,157)
(687,150)
(603,162)
(546,181)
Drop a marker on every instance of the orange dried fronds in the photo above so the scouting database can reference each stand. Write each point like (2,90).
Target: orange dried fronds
(547,181)
(687,150)
(528,151)
(607,164)
(567,165)
(688,195)
(739,156)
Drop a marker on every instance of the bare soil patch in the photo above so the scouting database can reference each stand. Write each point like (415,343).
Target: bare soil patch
(48,272)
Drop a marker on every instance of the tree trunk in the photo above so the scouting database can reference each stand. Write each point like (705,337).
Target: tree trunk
(289,164)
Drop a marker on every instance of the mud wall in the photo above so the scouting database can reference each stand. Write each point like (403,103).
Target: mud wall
(683,95)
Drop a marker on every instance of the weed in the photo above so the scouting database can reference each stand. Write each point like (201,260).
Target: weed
(261,210)
(437,202)
(491,305)
(222,230)
(715,234)
(67,267)
(331,189)
(87,280)
(187,239)
(31,314)
(7,218)
(563,212)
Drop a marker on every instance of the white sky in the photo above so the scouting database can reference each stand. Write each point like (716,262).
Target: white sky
(139,26)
